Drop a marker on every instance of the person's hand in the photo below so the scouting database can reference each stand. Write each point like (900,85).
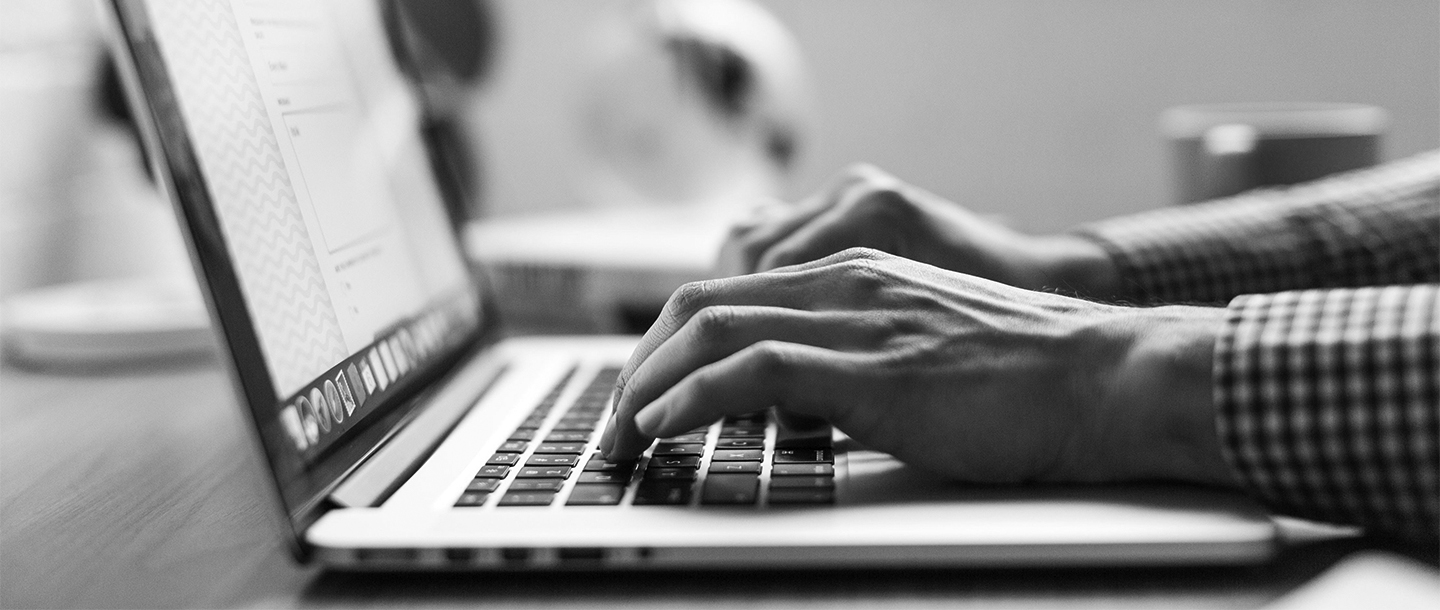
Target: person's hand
(866,207)
(965,377)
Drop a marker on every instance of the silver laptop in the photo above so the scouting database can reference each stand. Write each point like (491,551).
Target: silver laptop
(399,433)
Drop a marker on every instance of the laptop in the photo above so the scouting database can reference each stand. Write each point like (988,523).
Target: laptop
(400,432)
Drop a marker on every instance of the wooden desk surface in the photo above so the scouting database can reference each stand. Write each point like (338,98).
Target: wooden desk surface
(133,488)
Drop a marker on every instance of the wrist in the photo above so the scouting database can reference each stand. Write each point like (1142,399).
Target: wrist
(1076,265)
(1157,408)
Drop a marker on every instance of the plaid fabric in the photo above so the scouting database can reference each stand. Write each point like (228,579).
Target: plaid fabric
(1328,403)
(1371,227)
(1327,399)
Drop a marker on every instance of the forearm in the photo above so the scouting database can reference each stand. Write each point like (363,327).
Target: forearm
(1374,227)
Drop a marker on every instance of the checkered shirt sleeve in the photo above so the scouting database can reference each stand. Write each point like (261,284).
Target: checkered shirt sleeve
(1371,227)
(1328,404)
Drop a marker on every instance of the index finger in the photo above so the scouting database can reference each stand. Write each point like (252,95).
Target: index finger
(772,289)
(796,378)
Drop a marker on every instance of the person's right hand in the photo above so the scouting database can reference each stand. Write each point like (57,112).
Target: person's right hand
(866,207)
(965,377)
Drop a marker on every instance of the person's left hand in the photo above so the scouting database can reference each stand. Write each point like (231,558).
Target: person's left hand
(966,377)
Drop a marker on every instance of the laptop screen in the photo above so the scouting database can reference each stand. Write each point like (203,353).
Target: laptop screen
(293,146)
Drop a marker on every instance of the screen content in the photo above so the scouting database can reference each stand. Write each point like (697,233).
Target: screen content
(307,135)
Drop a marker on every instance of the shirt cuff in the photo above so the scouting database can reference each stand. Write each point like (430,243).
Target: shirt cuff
(1326,404)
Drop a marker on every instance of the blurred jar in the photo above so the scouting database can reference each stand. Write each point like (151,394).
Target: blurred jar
(1220,150)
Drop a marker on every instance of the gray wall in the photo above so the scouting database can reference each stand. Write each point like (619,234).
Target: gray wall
(1043,111)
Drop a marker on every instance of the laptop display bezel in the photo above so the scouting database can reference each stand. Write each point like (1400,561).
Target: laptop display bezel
(301,489)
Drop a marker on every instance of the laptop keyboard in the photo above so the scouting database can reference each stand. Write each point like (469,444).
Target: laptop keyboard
(743,460)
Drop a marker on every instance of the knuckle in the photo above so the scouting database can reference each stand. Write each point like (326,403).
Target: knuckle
(771,359)
(847,255)
(887,204)
(715,322)
(863,275)
(862,258)
(692,296)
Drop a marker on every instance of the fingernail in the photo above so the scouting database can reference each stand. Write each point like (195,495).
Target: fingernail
(648,419)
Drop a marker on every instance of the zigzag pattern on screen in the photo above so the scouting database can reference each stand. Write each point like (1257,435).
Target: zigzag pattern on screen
(278,268)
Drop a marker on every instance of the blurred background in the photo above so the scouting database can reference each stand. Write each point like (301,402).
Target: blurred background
(1043,112)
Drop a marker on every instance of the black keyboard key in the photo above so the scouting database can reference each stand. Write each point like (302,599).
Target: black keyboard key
(537,485)
(596,495)
(492,471)
(802,482)
(553,460)
(694,437)
(742,431)
(684,461)
(735,467)
(802,496)
(730,489)
(472,498)
(598,464)
(740,443)
(795,432)
(801,470)
(483,485)
(587,427)
(663,492)
(543,472)
(513,447)
(605,477)
(567,437)
(522,435)
(695,449)
(804,456)
(561,448)
(737,455)
(503,459)
(527,498)
(670,474)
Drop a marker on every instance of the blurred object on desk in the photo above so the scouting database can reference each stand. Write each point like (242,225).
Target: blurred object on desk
(692,102)
(48,51)
(1225,149)
(602,271)
(75,203)
(93,269)
(691,111)
(110,322)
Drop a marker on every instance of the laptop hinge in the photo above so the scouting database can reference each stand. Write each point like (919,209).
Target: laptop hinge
(379,475)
